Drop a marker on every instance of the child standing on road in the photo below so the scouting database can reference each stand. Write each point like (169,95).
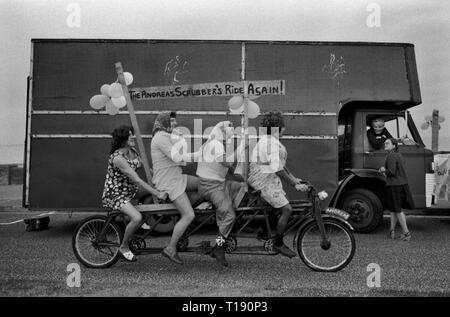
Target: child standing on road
(398,193)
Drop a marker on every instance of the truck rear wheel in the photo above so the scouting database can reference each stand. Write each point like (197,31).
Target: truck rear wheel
(365,209)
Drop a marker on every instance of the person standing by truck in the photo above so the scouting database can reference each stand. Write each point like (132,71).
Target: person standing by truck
(267,169)
(398,193)
(168,177)
(214,186)
(122,183)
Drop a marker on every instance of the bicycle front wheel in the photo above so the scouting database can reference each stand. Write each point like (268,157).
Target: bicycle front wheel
(93,252)
(331,256)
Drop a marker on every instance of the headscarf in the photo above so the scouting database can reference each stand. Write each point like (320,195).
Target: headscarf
(162,122)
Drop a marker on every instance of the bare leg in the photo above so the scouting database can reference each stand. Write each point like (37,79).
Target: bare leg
(279,245)
(402,220)
(393,220)
(192,188)
(286,212)
(187,215)
(144,197)
(192,183)
(135,221)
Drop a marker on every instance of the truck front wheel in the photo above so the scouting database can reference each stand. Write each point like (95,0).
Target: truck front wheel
(365,209)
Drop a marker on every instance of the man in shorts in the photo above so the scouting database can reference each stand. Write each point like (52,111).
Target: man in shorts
(224,194)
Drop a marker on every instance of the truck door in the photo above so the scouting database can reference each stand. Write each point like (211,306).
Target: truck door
(410,146)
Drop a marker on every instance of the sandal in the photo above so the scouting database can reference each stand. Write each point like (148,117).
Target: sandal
(392,234)
(406,236)
(128,256)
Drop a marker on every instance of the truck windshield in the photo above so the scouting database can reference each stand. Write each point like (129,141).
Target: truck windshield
(399,130)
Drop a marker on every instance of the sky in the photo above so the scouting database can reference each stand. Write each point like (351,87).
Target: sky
(424,23)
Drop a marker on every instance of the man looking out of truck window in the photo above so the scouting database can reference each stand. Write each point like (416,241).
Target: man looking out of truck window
(378,134)
(267,169)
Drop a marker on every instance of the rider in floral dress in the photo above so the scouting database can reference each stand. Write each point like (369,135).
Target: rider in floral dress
(122,184)
(118,188)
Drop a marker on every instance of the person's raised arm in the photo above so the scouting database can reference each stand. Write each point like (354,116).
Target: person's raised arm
(272,152)
(273,158)
(298,180)
(287,177)
(177,150)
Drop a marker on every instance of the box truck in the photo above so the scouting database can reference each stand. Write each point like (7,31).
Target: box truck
(328,92)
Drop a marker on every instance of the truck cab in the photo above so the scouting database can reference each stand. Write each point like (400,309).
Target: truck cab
(361,189)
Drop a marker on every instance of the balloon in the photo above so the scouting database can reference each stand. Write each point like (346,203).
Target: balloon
(98,101)
(105,89)
(116,90)
(128,78)
(235,102)
(441,119)
(111,109)
(119,102)
(425,125)
(253,110)
(239,110)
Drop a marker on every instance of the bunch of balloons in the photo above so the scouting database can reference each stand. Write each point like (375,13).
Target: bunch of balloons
(236,105)
(112,97)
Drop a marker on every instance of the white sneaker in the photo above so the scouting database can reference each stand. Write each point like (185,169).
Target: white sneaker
(145,226)
(204,205)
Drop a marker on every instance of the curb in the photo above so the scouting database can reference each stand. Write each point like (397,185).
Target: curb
(13,209)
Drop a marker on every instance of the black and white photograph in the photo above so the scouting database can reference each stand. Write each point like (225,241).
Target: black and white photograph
(225,154)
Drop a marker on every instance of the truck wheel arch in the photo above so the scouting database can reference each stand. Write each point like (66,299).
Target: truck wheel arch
(366,188)
(360,178)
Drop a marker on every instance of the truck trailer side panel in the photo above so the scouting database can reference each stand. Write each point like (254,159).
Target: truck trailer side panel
(70,142)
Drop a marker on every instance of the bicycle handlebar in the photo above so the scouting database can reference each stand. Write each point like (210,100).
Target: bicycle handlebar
(311,187)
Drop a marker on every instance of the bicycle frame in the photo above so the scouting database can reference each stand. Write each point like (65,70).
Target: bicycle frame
(307,220)
(325,243)
(302,211)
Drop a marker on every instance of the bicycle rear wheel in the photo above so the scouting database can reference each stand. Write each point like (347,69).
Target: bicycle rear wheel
(326,258)
(92,253)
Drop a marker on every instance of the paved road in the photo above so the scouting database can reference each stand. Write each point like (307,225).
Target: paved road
(11,198)
(35,263)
